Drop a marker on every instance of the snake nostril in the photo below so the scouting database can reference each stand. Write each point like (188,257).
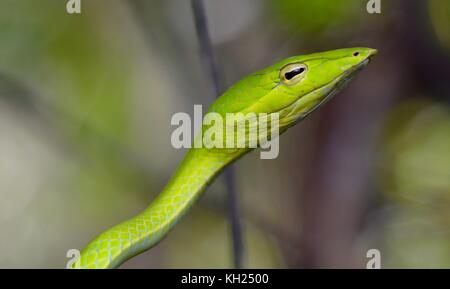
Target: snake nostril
(355,53)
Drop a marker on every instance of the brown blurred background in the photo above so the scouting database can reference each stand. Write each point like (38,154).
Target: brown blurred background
(85,108)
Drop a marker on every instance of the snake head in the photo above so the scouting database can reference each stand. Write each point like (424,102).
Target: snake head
(296,86)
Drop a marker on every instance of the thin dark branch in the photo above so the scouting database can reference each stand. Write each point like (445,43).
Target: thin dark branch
(234,218)
(206,50)
(207,53)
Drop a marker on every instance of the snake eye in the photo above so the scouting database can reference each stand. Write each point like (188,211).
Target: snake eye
(292,73)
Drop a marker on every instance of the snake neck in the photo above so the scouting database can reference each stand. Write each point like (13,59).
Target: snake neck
(197,170)
(118,244)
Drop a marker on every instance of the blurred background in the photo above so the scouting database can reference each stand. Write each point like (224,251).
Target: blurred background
(85,108)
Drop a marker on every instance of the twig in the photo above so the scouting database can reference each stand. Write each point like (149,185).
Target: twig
(207,54)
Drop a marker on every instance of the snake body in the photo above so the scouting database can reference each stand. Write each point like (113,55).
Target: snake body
(293,88)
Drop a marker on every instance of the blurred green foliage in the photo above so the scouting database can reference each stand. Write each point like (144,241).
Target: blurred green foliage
(414,172)
(314,18)
(440,19)
(416,153)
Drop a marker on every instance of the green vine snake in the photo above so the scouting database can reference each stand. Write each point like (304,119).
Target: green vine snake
(293,88)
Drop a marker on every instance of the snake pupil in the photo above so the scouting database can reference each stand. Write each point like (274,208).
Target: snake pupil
(291,74)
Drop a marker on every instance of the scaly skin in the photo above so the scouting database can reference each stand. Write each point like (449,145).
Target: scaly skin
(282,88)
